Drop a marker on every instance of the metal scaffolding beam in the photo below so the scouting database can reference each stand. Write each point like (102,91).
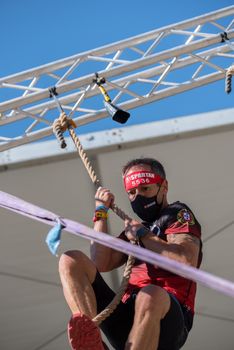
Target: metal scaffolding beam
(137,72)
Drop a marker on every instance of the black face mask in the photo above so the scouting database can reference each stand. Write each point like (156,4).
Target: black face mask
(147,209)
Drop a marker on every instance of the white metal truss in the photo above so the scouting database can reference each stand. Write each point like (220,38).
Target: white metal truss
(138,70)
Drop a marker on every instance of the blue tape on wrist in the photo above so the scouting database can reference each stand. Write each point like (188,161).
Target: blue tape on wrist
(102,207)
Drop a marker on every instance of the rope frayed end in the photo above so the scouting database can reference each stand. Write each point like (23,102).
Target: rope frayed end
(60,125)
(228,80)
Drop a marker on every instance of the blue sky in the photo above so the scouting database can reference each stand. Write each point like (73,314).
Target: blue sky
(38,32)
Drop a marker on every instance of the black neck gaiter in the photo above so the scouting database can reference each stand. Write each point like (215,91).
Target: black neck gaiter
(147,209)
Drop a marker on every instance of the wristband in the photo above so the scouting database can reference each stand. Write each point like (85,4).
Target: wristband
(100,214)
(141,232)
(102,207)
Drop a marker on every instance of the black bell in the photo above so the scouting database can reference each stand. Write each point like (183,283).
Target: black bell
(117,114)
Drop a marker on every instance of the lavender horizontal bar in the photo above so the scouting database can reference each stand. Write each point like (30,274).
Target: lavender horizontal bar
(20,206)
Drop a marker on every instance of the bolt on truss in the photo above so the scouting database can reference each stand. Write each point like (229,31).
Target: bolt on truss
(138,71)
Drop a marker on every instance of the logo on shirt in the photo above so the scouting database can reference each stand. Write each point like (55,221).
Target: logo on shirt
(185,216)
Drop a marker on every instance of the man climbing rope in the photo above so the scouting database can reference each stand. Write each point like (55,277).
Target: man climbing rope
(156,311)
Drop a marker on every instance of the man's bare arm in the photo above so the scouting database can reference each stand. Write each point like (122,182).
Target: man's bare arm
(190,246)
(182,247)
(106,259)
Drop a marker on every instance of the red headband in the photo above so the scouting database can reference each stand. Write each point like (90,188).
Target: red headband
(141,177)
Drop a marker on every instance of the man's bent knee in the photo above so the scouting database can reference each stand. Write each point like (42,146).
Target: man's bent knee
(71,258)
(76,261)
(153,299)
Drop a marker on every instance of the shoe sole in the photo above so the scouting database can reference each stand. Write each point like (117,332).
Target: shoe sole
(83,334)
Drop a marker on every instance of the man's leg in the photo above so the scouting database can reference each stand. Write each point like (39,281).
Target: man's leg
(77,273)
(152,304)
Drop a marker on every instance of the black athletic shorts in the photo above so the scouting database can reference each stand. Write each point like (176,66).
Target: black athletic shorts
(174,327)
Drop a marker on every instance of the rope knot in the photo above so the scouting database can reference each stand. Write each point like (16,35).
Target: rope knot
(60,125)
(66,122)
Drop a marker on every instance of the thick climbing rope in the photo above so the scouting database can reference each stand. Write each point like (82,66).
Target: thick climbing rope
(228,81)
(60,125)
(230,71)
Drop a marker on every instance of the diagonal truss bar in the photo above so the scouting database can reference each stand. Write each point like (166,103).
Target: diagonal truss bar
(120,45)
(89,118)
(135,69)
(181,63)
(137,64)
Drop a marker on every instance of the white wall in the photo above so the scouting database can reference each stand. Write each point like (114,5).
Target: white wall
(200,172)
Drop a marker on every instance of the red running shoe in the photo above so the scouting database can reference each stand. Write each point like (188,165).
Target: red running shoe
(83,334)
